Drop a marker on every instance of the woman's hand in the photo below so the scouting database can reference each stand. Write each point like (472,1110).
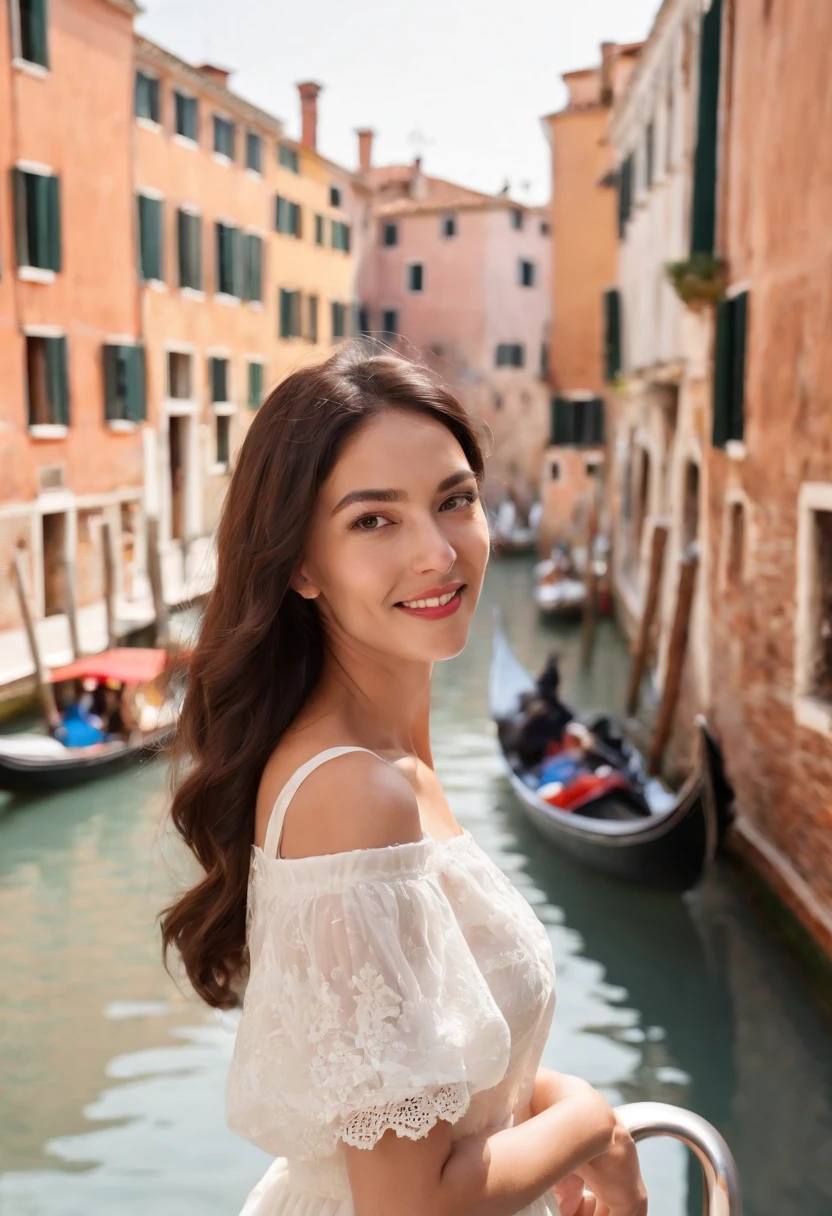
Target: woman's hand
(615,1177)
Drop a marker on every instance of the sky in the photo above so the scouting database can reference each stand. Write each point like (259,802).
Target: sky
(461,82)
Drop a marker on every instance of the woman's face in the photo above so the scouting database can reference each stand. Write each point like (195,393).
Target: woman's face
(398,542)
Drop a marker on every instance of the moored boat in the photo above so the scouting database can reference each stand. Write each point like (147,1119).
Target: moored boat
(642,833)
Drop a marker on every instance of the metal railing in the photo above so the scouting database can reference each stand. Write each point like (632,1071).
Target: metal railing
(721,1180)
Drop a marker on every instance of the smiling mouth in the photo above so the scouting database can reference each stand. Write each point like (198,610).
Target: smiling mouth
(433,606)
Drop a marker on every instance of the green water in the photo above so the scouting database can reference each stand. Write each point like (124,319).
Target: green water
(111,1084)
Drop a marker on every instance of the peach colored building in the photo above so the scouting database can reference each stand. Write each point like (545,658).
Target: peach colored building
(584,257)
(461,280)
(69,457)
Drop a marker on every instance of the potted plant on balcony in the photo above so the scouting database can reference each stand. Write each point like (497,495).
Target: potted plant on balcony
(698,281)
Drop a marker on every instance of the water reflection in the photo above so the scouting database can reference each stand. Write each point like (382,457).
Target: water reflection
(112,1085)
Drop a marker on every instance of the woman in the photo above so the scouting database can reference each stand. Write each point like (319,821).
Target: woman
(399,990)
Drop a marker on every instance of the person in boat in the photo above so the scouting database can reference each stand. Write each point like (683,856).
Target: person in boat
(543,717)
(79,725)
(397,990)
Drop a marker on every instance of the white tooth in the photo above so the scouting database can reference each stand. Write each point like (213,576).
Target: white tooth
(432,603)
(446,599)
(421,603)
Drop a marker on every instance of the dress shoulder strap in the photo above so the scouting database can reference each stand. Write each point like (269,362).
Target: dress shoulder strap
(274,831)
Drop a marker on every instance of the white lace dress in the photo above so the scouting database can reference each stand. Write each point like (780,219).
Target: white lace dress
(388,988)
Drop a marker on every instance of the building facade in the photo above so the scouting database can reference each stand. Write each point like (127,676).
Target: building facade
(584,265)
(659,409)
(768,501)
(460,279)
(68,295)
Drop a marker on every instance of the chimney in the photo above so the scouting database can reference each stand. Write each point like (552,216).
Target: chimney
(218,75)
(365,148)
(309,91)
(418,184)
(608,56)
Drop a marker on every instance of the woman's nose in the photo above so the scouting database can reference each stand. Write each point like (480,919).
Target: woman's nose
(432,549)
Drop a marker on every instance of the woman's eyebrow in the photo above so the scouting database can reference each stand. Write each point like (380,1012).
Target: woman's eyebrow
(354,496)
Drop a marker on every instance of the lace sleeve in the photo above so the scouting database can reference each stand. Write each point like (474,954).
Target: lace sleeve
(365,1011)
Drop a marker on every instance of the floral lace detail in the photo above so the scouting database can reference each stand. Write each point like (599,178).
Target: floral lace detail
(414,1117)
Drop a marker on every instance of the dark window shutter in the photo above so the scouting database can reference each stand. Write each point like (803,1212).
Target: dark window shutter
(740,327)
(57,379)
(612,333)
(237,253)
(313,318)
(285,313)
(255,384)
(561,421)
(319,230)
(297,320)
(625,193)
(111,356)
(34,32)
(136,390)
(649,152)
(182,241)
(296,219)
(722,373)
(703,212)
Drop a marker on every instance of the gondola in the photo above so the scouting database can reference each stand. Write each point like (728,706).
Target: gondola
(37,763)
(645,834)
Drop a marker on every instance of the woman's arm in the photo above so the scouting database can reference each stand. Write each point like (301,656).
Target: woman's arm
(493,1174)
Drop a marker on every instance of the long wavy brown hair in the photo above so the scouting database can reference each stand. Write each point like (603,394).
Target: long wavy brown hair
(260,651)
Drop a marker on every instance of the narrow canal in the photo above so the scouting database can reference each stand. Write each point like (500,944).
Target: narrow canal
(111,1083)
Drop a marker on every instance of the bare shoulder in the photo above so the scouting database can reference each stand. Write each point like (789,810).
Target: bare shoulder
(353,801)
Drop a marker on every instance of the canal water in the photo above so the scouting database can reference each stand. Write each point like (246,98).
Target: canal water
(111,1082)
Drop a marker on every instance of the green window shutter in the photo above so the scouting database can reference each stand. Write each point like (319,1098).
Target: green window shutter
(625,194)
(285,310)
(297,321)
(612,333)
(136,409)
(57,379)
(218,374)
(34,31)
(182,247)
(560,422)
(253,151)
(111,405)
(740,327)
(649,152)
(190,250)
(252,249)
(722,373)
(295,220)
(150,238)
(236,242)
(255,384)
(313,318)
(703,211)
(319,230)
(279,207)
(42,222)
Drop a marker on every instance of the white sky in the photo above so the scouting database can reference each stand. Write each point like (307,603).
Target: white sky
(473,76)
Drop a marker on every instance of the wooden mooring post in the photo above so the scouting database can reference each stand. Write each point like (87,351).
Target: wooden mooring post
(109,584)
(45,690)
(644,638)
(591,601)
(688,566)
(71,606)
(154,572)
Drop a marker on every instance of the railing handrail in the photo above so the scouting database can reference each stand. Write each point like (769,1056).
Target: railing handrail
(721,1178)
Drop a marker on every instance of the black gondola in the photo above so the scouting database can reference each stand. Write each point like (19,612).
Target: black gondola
(644,836)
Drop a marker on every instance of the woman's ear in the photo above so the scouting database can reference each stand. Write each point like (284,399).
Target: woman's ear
(304,585)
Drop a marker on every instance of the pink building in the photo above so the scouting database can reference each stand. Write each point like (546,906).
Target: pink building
(461,279)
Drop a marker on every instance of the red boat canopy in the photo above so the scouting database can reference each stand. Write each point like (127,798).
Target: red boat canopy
(125,665)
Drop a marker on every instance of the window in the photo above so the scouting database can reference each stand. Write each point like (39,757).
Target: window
(363,319)
(612,334)
(649,152)
(229,273)
(47,382)
(222,425)
(448,227)
(389,323)
(729,370)
(289,308)
(577,423)
(625,193)
(186,116)
(319,230)
(124,384)
(736,544)
(147,97)
(225,137)
(33,30)
(703,207)
(390,235)
(554,470)
(180,379)
(254,151)
(218,379)
(288,158)
(415,276)
(526,272)
(339,320)
(255,385)
(593,468)
(544,228)
(312,331)
(340,236)
(334,196)
(37,200)
(189,228)
(544,361)
(287,217)
(150,239)
(510,354)
(252,267)
(516,216)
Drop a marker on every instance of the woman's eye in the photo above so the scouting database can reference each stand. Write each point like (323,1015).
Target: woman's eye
(369,523)
(457,501)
